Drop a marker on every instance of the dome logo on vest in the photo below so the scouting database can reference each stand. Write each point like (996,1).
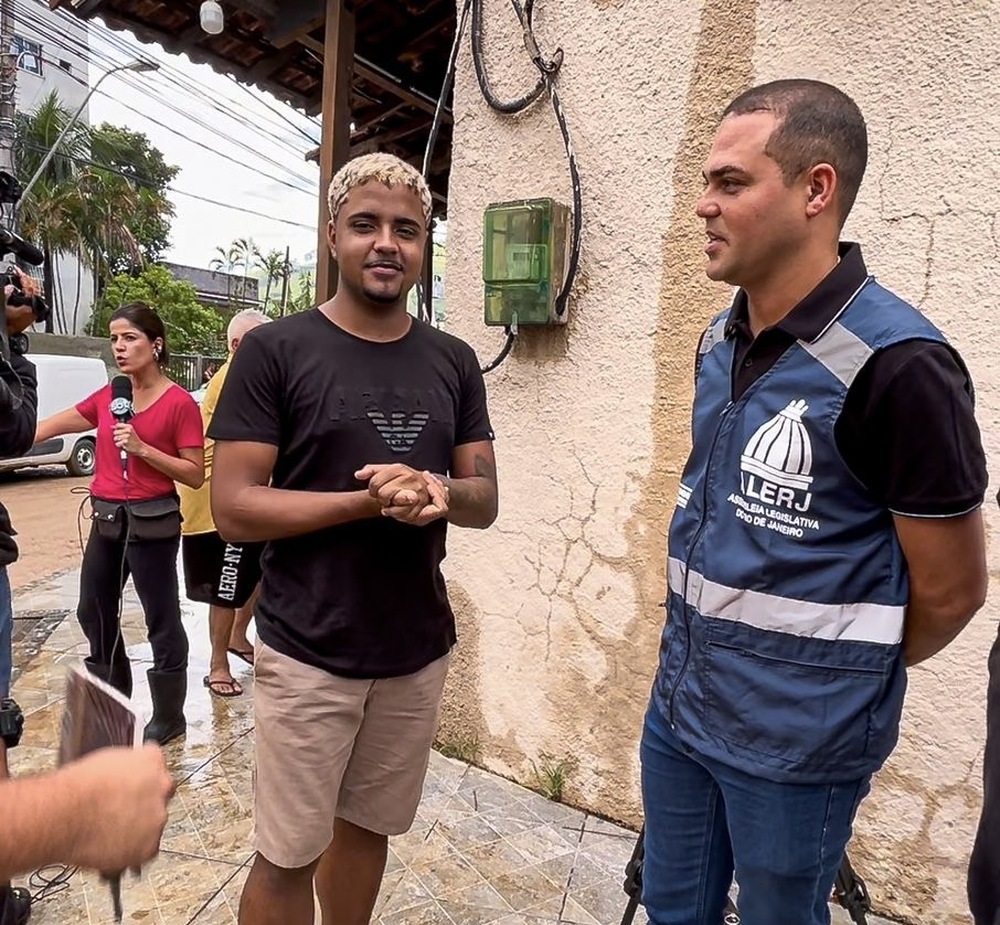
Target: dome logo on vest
(775,474)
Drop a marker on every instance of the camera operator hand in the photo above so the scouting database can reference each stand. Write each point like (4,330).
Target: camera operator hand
(21,307)
(104,812)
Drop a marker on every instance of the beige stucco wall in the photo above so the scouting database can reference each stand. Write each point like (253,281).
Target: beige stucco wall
(558,603)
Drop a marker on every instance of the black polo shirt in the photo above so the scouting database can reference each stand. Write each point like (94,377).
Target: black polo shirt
(907,430)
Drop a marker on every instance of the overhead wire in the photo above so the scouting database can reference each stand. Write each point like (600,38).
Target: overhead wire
(122,42)
(205,146)
(99,59)
(209,128)
(89,54)
(197,89)
(139,181)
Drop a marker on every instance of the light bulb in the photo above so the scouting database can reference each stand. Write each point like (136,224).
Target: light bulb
(212,19)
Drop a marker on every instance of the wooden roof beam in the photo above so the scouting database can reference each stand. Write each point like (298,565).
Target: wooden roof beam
(381,117)
(335,143)
(298,18)
(86,8)
(389,82)
(271,64)
(264,9)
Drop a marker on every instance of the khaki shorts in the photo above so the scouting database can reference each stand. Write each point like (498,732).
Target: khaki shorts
(329,747)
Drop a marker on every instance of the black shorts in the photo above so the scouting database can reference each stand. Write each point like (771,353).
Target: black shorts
(220,573)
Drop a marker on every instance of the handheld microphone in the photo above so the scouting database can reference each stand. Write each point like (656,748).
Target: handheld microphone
(121,408)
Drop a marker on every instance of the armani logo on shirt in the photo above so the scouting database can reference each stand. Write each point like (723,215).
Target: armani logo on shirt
(400,431)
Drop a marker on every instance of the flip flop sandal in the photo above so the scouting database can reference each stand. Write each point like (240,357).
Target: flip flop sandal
(222,687)
(245,654)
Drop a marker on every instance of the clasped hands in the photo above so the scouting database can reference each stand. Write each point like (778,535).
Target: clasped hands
(404,494)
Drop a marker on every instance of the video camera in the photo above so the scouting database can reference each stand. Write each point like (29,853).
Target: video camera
(20,308)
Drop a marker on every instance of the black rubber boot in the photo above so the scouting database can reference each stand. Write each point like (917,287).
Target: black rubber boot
(168,690)
(15,905)
(119,675)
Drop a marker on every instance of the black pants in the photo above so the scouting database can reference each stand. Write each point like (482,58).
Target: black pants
(984,867)
(153,567)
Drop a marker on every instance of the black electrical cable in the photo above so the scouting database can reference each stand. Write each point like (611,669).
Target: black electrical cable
(502,355)
(47,882)
(548,70)
(521,103)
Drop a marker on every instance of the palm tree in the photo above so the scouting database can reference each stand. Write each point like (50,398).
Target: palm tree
(51,211)
(245,254)
(76,207)
(224,261)
(276,269)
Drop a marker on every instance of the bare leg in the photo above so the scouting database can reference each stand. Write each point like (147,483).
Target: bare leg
(238,637)
(278,896)
(220,625)
(350,874)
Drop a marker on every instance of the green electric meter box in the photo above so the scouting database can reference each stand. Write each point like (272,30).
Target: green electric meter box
(525,250)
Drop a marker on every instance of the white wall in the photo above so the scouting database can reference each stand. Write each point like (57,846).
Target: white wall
(62,39)
(557,603)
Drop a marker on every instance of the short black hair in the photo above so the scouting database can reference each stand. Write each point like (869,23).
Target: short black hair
(141,316)
(817,124)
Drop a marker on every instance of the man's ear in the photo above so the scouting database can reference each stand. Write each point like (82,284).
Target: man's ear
(822,189)
(331,238)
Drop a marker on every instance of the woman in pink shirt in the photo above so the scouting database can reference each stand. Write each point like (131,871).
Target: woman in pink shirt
(136,515)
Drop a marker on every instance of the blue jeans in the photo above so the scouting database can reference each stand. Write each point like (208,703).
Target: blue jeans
(705,820)
(6,633)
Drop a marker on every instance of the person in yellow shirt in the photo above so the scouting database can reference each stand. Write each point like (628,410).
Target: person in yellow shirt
(221,574)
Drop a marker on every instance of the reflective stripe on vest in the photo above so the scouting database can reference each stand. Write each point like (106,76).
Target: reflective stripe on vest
(878,623)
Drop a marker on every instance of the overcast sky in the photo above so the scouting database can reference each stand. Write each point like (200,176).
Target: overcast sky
(233,144)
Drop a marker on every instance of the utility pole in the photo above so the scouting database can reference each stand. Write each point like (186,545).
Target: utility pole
(8,86)
(286,273)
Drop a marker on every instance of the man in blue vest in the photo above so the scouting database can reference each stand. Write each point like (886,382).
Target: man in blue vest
(827,532)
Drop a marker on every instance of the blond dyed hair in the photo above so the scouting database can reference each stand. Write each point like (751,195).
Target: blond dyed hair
(386,169)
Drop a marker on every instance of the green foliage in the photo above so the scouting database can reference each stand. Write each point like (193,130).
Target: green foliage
(101,199)
(242,254)
(462,748)
(191,328)
(304,297)
(275,269)
(129,153)
(551,777)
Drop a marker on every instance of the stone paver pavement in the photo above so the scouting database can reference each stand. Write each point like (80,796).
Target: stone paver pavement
(482,849)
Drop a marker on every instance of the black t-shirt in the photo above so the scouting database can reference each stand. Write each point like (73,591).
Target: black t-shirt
(907,429)
(364,599)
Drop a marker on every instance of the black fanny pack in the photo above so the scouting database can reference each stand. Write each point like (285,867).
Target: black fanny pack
(138,521)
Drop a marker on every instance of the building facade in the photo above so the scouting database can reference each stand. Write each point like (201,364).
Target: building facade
(559,604)
(52,55)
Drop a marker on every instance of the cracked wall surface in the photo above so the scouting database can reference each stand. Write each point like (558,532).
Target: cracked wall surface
(558,604)
(926,216)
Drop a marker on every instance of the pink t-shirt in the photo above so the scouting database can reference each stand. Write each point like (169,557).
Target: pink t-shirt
(172,423)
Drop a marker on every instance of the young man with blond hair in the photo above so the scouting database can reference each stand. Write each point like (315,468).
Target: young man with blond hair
(220,574)
(348,438)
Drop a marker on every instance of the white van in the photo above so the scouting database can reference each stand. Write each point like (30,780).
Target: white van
(62,383)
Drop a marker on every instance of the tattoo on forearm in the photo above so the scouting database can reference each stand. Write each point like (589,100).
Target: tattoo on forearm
(485,468)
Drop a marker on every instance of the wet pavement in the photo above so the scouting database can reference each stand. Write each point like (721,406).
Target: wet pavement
(482,849)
